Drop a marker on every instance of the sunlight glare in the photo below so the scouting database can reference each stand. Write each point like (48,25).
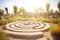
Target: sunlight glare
(29,5)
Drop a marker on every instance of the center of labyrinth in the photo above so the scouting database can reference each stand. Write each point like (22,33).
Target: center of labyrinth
(26,28)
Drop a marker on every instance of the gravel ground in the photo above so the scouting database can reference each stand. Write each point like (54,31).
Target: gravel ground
(47,36)
(29,39)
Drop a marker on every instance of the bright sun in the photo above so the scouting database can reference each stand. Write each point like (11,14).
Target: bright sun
(29,5)
(33,4)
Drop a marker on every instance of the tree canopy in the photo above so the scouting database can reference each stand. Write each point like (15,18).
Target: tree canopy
(59,6)
(47,7)
(15,9)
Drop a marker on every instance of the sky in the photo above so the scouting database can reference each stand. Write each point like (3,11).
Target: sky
(29,5)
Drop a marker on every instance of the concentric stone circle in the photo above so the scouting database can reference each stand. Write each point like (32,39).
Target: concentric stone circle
(27,28)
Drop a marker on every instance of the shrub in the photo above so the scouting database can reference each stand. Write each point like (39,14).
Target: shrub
(17,18)
(55,29)
(28,19)
(3,36)
(45,19)
(56,20)
(6,17)
(3,22)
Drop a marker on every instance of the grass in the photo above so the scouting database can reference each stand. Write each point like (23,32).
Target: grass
(3,36)
(50,20)
(9,19)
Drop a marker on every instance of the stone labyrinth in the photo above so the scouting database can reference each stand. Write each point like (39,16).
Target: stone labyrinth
(26,28)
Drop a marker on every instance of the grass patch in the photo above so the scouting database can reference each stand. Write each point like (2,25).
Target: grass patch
(3,36)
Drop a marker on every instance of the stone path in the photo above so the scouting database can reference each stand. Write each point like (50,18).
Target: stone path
(28,30)
(26,27)
(47,36)
(29,39)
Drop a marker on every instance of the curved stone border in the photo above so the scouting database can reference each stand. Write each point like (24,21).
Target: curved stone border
(26,28)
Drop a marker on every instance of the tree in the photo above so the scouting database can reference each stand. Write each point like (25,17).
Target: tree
(22,9)
(57,12)
(15,9)
(47,7)
(6,9)
(59,6)
(1,14)
(51,10)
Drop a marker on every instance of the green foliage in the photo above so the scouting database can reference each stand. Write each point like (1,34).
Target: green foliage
(47,7)
(56,20)
(28,19)
(59,6)
(17,18)
(51,20)
(22,9)
(55,29)
(6,17)
(3,22)
(1,12)
(15,9)
(3,36)
(51,10)
(6,9)
(45,19)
